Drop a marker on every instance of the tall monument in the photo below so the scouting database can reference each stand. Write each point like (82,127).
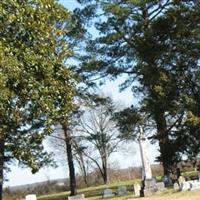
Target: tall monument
(146,167)
(148,183)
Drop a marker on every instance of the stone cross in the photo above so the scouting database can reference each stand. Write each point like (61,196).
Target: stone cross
(146,167)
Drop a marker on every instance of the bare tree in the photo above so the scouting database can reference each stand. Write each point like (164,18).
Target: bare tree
(100,133)
(68,150)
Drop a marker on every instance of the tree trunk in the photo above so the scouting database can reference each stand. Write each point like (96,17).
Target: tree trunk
(164,144)
(105,171)
(72,177)
(84,171)
(81,163)
(1,166)
(105,176)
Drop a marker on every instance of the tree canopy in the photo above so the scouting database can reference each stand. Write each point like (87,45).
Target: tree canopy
(37,88)
(156,45)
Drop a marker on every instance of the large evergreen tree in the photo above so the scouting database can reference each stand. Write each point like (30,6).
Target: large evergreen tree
(155,45)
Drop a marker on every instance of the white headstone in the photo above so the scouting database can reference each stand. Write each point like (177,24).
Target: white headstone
(31,197)
(181,180)
(185,186)
(146,167)
(194,185)
(176,186)
(137,188)
(77,197)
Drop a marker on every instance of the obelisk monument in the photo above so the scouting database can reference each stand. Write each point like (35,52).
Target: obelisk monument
(148,183)
(146,167)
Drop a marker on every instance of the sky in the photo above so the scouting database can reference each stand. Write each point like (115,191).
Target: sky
(21,176)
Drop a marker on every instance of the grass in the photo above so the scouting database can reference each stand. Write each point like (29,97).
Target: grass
(95,193)
(168,195)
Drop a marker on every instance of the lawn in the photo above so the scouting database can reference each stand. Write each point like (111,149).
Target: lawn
(169,195)
(94,193)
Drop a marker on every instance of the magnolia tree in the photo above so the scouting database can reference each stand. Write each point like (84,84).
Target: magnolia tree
(36,87)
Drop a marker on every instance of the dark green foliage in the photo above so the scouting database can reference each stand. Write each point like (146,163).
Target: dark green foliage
(36,88)
(156,44)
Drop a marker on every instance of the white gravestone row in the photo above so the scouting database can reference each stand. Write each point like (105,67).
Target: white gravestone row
(190,185)
(195,185)
(187,185)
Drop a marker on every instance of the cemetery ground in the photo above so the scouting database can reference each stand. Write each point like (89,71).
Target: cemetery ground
(95,193)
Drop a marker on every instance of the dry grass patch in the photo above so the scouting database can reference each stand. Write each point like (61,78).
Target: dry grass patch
(171,195)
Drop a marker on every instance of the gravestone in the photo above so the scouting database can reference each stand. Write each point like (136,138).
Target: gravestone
(160,186)
(176,186)
(31,197)
(107,193)
(77,197)
(167,181)
(185,186)
(137,188)
(194,185)
(121,190)
(181,180)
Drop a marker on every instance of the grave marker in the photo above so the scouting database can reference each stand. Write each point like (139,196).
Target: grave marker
(107,193)
(137,188)
(77,197)
(31,197)
(121,190)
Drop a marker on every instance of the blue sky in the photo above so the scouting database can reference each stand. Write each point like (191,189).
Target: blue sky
(19,176)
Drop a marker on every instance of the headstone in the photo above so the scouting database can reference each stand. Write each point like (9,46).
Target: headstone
(31,197)
(121,190)
(185,186)
(154,180)
(194,185)
(137,188)
(176,186)
(149,187)
(167,181)
(160,186)
(77,197)
(181,180)
(107,193)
